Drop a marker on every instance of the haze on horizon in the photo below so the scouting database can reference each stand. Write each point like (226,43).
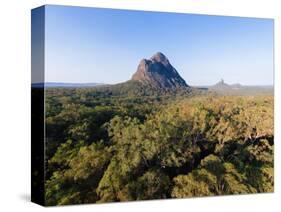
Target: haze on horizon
(86,45)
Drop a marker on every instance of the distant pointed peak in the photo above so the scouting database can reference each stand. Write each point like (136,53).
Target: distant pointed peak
(221,82)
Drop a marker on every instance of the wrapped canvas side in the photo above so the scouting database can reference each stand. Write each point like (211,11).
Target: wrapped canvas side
(37,105)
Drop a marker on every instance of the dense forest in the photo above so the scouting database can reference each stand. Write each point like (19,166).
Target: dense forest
(103,146)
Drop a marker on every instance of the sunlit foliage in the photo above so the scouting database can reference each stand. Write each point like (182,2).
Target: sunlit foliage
(105,147)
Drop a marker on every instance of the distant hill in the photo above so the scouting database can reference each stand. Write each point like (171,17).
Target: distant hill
(65,85)
(237,89)
(221,85)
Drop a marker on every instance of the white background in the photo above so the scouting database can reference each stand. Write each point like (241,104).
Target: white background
(15,104)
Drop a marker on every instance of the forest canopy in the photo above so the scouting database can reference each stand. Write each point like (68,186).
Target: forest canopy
(109,148)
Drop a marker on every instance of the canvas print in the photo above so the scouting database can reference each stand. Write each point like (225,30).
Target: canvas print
(139,105)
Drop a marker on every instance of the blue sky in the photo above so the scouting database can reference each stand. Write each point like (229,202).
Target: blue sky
(105,45)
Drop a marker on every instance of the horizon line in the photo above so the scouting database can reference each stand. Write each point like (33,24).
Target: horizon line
(192,85)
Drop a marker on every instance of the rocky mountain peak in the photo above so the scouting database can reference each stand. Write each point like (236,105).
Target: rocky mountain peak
(161,58)
(158,73)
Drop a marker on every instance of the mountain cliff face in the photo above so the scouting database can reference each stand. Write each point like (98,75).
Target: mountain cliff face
(157,72)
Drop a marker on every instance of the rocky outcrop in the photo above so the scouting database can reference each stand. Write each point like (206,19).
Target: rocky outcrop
(158,73)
